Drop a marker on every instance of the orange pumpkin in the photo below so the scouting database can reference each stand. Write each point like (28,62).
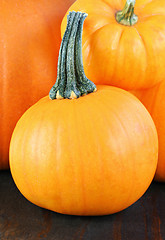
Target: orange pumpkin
(123,49)
(88,155)
(29,45)
(154,100)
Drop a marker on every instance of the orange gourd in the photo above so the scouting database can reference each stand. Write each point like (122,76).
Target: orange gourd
(154,100)
(124,49)
(93,152)
(29,45)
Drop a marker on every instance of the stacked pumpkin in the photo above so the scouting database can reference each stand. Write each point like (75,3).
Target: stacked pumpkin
(92,149)
(127,50)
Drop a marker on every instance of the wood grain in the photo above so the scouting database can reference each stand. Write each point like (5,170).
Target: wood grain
(21,220)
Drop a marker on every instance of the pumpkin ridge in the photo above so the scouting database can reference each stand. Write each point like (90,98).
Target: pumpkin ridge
(118,119)
(80,120)
(149,51)
(152,15)
(89,122)
(95,31)
(114,69)
(144,45)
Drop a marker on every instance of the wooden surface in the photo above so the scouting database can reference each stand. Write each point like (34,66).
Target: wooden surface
(21,220)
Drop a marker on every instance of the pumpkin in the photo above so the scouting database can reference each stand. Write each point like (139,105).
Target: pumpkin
(154,101)
(83,151)
(123,46)
(29,45)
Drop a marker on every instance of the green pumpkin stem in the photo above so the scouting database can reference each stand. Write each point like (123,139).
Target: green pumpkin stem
(71,81)
(127,16)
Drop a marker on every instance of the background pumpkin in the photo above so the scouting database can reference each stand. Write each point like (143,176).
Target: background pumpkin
(93,155)
(154,100)
(29,45)
(130,57)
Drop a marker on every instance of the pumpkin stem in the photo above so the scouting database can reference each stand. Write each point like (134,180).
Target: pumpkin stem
(127,16)
(71,81)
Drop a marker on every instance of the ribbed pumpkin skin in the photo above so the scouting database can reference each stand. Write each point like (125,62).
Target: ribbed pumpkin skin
(94,155)
(29,45)
(154,100)
(130,57)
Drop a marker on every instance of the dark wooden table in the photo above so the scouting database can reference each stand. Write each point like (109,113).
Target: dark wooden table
(21,220)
